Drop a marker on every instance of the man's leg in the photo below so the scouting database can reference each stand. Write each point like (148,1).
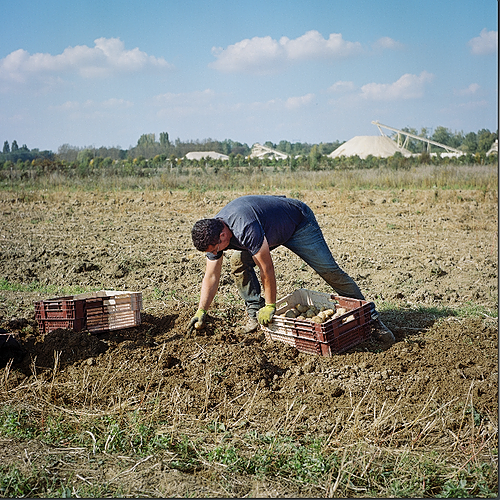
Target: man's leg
(309,244)
(242,269)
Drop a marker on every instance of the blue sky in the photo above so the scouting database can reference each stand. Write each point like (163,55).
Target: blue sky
(102,73)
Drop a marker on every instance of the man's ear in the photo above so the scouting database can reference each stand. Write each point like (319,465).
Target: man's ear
(224,235)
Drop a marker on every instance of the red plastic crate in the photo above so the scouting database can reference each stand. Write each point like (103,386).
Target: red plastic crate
(331,337)
(94,311)
(60,312)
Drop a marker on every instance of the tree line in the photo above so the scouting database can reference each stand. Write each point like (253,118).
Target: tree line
(160,151)
(13,154)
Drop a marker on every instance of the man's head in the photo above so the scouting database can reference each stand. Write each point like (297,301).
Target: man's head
(206,232)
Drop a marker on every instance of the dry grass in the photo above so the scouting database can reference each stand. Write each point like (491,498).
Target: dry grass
(279,178)
(371,450)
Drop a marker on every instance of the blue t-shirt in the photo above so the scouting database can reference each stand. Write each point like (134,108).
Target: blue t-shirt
(252,217)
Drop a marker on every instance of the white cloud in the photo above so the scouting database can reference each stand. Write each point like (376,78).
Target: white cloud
(341,87)
(258,55)
(387,43)
(407,87)
(471,89)
(298,102)
(194,98)
(112,104)
(485,43)
(108,57)
(312,45)
(262,55)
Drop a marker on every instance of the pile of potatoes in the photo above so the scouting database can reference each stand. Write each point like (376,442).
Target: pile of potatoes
(316,314)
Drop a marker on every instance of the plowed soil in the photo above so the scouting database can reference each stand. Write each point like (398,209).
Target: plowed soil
(428,259)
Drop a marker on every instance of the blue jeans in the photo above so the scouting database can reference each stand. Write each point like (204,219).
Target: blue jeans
(309,244)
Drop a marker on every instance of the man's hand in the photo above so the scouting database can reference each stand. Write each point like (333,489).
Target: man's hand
(198,320)
(265,315)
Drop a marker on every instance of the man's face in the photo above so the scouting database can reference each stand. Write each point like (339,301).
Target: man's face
(214,249)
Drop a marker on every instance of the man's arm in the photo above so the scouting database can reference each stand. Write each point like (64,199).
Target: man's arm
(210,282)
(265,262)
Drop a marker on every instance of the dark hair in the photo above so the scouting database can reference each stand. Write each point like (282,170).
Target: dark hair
(206,232)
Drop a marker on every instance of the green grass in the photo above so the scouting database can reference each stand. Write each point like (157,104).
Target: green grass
(357,470)
(39,483)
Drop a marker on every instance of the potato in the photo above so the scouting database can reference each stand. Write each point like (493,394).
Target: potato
(310,313)
(322,315)
(291,313)
(316,319)
(349,318)
(300,317)
(301,308)
(198,325)
(329,312)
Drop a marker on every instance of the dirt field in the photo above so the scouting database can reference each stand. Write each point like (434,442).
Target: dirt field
(428,259)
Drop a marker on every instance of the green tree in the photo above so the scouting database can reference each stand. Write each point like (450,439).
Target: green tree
(470,143)
(67,152)
(14,146)
(485,140)
(6,148)
(164,139)
(146,139)
(412,145)
(314,157)
(285,147)
(84,157)
(442,135)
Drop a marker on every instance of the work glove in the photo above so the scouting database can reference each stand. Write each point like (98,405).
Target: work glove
(265,315)
(198,320)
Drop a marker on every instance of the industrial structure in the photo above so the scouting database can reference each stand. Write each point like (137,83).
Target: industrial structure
(401,133)
(259,151)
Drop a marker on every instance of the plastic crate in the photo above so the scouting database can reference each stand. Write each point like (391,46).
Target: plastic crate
(94,311)
(113,310)
(342,343)
(60,312)
(328,338)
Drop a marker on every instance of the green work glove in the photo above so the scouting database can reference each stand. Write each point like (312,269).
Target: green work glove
(198,320)
(265,315)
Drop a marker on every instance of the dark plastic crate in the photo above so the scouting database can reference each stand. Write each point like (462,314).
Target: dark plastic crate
(330,337)
(60,312)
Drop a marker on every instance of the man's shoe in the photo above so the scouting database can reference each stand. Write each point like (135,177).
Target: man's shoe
(251,325)
(382,334)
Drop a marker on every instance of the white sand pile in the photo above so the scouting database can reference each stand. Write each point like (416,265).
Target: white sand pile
(379,146)
(198,155)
